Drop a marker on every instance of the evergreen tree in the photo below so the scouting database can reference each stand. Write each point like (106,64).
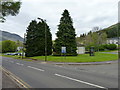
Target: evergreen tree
(41,39)
(66,35)
(35,44)
(30,39)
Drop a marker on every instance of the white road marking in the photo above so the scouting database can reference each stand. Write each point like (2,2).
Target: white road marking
(35,68)
(80,81)
(19,64)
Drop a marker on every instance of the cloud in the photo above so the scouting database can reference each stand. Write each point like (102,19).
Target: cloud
(86,14)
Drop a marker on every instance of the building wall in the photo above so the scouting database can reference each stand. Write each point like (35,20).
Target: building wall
(80,50)
(112,41)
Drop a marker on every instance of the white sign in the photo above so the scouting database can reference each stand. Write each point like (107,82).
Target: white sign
(63,49)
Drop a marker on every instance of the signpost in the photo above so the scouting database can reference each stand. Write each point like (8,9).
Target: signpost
(63,50)
(92,51)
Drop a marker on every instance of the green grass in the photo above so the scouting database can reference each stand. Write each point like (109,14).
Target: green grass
(16,57)
(99,57)
(11,56)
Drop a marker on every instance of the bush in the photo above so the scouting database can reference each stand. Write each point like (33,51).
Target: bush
(111,46)
(105,46)
(87,48)
(101,47)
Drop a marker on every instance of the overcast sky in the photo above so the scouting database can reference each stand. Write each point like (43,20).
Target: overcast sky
(86,14)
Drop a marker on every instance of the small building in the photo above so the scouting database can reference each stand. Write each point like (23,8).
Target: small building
(112,40)
(80,50)
(19,48)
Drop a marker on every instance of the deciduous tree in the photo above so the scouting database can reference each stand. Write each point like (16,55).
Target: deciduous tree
(9,8)
(8,46)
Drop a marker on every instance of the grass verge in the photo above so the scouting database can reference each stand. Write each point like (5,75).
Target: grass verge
(99,57)
(16,57)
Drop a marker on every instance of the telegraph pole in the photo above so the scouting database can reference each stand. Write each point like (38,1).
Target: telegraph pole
(118,27)
(45,38)
(45,42)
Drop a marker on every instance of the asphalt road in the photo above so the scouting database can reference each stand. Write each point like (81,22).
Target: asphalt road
(41,75)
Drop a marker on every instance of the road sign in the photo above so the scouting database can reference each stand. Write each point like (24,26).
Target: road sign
(91,51)
(63,50)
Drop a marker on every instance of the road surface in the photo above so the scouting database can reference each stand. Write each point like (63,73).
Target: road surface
(41,75)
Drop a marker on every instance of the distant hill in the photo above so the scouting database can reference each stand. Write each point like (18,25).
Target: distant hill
(112,31)
(9,36)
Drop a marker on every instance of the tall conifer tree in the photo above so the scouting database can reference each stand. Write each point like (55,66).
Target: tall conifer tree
(66,35)
(30,44)
(35,44)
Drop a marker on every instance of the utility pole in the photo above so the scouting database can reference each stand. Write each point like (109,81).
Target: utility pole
(45,38)
(118,27)
(45,42)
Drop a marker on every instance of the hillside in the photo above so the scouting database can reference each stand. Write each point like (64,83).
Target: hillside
(112,31)
(9,36)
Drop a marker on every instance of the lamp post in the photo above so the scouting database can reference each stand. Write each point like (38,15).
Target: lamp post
(45,38)
(45,42)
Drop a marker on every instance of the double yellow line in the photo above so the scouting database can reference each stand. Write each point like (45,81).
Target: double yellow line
(17,79)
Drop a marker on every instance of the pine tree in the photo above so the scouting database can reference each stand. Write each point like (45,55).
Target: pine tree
(66,35)
(30,39)
(41,39)
(35,44)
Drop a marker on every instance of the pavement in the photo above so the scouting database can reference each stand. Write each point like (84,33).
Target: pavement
(0,78)
(8,82)
(110,52)
(44,75)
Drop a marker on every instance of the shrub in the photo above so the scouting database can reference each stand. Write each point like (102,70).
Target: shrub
(101,47)
(105,46)
(111,46)
(87,48)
